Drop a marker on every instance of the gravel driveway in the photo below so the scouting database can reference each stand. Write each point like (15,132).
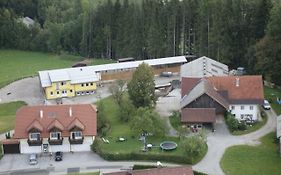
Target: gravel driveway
(219,141)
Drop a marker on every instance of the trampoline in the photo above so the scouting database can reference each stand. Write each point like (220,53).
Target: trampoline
(168,145)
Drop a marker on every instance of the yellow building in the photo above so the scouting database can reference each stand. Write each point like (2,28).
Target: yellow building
(82,80)
(68,82)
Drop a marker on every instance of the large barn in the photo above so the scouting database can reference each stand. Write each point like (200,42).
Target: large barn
(82,80)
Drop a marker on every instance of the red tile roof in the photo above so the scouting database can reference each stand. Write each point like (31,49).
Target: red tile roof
(182,170)
(10,141)
(248,89)
(198,115)
(187,84)
(29,116)
(55,124)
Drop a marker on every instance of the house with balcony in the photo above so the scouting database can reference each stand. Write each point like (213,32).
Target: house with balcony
(67,128)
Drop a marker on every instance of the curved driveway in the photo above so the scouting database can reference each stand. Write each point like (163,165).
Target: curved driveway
(219,141)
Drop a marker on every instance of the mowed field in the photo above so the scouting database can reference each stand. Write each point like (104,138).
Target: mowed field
(263,159)
(8,115)
(16,64)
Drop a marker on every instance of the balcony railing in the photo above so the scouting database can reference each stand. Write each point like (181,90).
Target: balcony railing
(55,141)
(76,141)
(34,142)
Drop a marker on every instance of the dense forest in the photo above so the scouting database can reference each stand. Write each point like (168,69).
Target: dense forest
(237,32)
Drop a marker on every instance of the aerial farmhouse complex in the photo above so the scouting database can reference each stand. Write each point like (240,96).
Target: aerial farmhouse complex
(204,98)
(44,129)
(71,82)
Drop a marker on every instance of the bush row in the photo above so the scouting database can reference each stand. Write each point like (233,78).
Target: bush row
(233,124)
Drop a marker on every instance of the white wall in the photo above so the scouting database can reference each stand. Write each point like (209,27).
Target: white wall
(86,146)
(238,112)
(26,149)
(202,65)
(65,147)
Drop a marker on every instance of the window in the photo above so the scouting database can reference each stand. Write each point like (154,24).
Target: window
(34,136)
(55,135)
(51,93)
(232,107)
(71,90)
(82,85)
(76,135)
(242,107)
(58,92)
(251,107)
(92,84)
(87,84)
(62,83)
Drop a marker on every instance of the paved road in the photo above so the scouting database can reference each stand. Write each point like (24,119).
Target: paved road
(219,141)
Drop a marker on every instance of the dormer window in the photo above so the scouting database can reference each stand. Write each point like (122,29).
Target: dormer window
(55,135)
(76,135)
(34,136)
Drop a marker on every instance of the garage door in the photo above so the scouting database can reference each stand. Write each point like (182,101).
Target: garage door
(11,148)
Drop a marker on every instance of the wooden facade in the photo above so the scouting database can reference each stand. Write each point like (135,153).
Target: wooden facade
(206,101)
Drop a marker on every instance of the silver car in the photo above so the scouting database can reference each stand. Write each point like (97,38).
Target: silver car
(266,105)
(33,159)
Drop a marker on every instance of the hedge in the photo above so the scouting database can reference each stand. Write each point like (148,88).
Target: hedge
(140,155)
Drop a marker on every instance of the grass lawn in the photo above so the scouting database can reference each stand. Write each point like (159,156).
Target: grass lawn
(253,160)
(15,64)
(271,95)
(7,115)
(132,144)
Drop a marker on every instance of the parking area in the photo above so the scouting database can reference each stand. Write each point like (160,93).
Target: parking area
(16,162)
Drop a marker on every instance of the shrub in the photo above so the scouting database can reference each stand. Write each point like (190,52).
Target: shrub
(141,167)
(198,173)
(242,125)
(232,122)
(193,146)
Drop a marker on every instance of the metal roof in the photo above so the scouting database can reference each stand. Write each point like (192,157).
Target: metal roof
(91,73)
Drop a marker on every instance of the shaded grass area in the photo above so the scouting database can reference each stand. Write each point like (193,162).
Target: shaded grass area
(8,115)
(132,147)
(256,126)
(271,95)
(252,160)
(15,64)
(175,120)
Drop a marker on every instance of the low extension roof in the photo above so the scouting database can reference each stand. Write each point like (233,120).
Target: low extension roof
(198,115)
(181,170)
(56,116)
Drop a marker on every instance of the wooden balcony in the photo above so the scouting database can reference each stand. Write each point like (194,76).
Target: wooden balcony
(55,141)
(76,141)
(34,142)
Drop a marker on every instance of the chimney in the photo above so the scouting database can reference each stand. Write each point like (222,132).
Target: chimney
(237,82)
(41,113)
(70,112)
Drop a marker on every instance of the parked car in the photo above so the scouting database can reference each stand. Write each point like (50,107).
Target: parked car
(266,105)
(58,156)
(33,159)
